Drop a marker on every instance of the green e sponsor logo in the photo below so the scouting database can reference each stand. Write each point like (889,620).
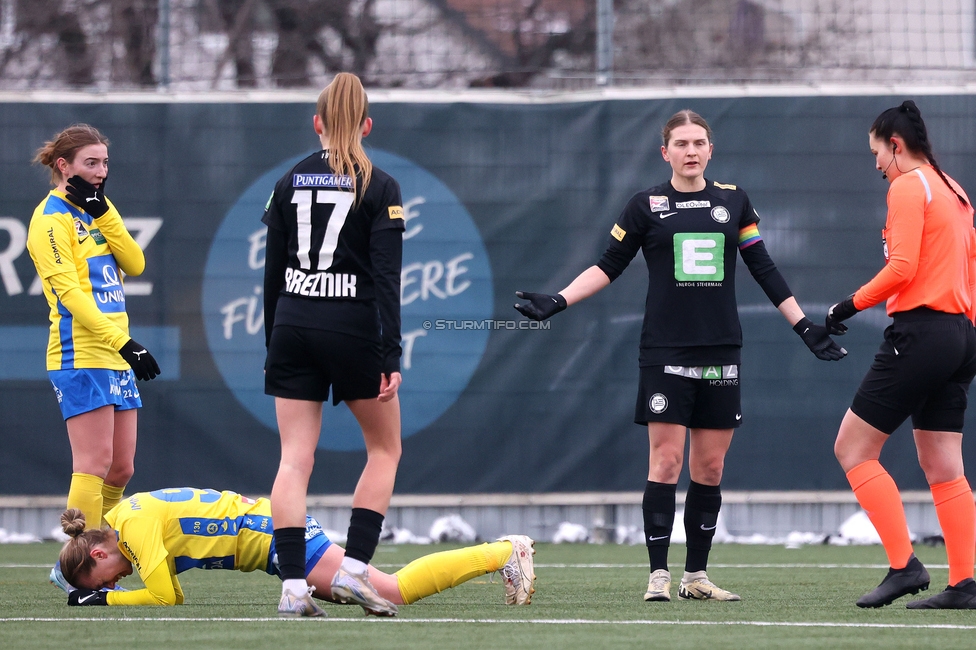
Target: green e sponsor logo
(699,256)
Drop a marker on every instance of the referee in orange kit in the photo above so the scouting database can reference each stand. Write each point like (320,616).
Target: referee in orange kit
(925,365)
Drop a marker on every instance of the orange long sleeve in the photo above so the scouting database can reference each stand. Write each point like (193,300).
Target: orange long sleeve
(930,248)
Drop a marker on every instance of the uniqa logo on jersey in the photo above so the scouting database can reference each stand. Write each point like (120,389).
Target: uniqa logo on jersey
(445,275)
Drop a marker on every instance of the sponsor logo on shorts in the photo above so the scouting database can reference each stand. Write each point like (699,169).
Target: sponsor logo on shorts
(660,204)
(685,205)
(658,403)
(723,382)
(704,372)
(720,214)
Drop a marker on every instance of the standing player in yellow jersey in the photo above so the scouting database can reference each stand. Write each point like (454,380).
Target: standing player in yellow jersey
(925,365)
(165,532)
(81,248)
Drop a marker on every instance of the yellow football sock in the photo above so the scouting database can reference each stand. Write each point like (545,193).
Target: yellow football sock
(434,573)
(111,495)
(85,494)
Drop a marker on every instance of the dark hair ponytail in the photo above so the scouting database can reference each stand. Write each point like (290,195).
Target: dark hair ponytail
(906,121)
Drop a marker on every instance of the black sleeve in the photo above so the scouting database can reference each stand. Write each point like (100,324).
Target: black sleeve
(626,238)
(765,272)
(275,262)
(389,211)
(386,254)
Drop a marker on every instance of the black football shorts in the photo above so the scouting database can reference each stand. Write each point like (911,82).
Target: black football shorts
(922,370)
(699,397)
(303,363)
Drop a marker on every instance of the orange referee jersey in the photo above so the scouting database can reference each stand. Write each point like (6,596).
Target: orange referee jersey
(929,246)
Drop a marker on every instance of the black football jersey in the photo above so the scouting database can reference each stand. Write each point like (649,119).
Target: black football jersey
(337,268)
(690,243)
(328,232)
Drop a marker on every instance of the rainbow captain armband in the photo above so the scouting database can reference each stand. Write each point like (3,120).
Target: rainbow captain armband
(749,236)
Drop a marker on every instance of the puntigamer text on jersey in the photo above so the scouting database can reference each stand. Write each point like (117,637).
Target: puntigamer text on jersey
(322,180)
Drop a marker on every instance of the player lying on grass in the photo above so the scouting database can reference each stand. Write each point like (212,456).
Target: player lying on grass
(164,532)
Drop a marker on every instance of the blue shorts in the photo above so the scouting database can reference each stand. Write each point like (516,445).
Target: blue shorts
(316,543)
(86,389)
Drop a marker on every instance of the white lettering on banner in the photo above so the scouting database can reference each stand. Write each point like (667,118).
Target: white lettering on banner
(409,213)
(692,252)
(408,340)
(428,274)
(259,242)
(252,315)
(142,229)
(17,245)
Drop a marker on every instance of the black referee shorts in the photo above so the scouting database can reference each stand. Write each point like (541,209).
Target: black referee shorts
(706,397)
(303,363)
(923,369)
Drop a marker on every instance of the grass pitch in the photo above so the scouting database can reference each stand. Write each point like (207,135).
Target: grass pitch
(586,597)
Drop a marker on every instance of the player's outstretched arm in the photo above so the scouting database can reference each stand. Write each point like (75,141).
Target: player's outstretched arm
(815,336)
(541,306)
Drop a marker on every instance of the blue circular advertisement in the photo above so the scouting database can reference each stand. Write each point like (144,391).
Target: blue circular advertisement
(446,299)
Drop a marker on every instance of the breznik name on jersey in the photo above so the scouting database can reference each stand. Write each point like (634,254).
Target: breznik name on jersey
(336,192)
(320,285)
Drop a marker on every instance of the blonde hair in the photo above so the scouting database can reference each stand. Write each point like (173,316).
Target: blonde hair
(65,145)
(682,117)
(76,560)
(343,108)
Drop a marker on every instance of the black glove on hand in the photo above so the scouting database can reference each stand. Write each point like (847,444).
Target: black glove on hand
(138,357)
(840,312)
(85,597)
(541,305)
(816,338)
(87,196)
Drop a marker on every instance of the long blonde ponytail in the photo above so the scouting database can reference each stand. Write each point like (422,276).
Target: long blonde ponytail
(343,108)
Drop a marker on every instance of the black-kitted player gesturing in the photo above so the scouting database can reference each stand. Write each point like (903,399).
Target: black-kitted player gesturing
(690,230)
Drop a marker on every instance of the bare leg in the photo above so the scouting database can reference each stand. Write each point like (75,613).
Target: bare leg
(299,424)
(706,454)
(92,438)
(380,422)
(123,448)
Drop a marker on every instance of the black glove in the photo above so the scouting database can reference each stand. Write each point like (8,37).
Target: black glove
(85,597)
(541,305)
(138,357)
(840,312)
(816,338)
(87,196)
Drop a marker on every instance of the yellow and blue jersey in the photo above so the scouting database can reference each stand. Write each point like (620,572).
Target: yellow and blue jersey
(165,532)
(80,263)
(190,528)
